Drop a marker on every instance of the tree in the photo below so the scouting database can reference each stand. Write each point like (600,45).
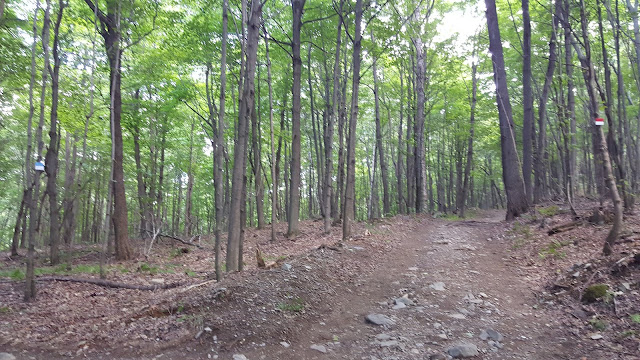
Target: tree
(514,185)
(234,253)
(350,191)
(110,30)
(294,194)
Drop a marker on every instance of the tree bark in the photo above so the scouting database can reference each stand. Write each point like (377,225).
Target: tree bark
(294,193)
(527,98)
(349,198)
(110,23)
(386,203)
(467,168)
(513,183)
(234,253)
(600,143)
(30,286)
(328,136)
(274,183)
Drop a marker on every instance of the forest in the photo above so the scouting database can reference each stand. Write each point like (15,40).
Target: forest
(128,122)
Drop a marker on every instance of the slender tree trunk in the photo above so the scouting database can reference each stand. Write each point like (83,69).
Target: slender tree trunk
(600,142)
(188,207)
(420,169)
(234,246)
(527,95)
(402,208)
(386,203)
(294,202)
(467,168)
(349,198)
(513,183)
(110,23)
(218,145)
(274,183)
(30,286)
(257,159)
(328,136)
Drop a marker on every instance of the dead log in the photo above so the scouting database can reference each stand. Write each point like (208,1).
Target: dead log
(182,241)
(111,284)
(565,227)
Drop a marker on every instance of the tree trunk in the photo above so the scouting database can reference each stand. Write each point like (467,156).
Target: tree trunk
(30,286)
(188,202)
(349,198)
(218,145)
(527,99)
(467,168)
(256,143)
(294,193)
(328,136)
(514,185)
(589,74)
(112,42)
(402,208)
(274,183)
(236,225)
(420,168)
(386,203)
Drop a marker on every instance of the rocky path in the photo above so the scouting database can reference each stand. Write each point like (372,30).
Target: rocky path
(447,291)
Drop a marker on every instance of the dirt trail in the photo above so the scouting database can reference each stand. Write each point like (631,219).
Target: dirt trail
(481,290)
(457,278)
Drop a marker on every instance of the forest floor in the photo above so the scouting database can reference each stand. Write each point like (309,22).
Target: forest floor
(439,286)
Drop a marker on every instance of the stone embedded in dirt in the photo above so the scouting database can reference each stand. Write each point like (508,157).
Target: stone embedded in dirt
(389,343)
(491,334)
(379,319)
(6,356)
(285,344)
(399,306)
(465,350)
(320,348)
(157,281)
(404,300)
(457,316)
(239,357)
(596,336)
(413,269)
(438,286)
(437,357)
(383,337)
(443,336)
(287,267)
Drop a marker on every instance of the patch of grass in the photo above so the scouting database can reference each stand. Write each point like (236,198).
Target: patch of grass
(179,252)
(549,211)
(553,249)
(521,234)
(144,267)
(598,324)
(295,305)
(191,273)
(5,309)
(15,274)
(635,318)
(628,333)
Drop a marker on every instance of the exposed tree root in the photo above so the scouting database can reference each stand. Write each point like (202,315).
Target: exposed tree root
(111,284)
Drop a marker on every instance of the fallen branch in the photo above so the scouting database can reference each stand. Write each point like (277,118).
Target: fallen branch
(181,240)
(565,227)
(111,284)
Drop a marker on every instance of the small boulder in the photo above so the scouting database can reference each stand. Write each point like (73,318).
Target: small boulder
(491,334)
(319,348)
(239,357)
(6,356)
(379,319)
(437,286)
(465,350)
